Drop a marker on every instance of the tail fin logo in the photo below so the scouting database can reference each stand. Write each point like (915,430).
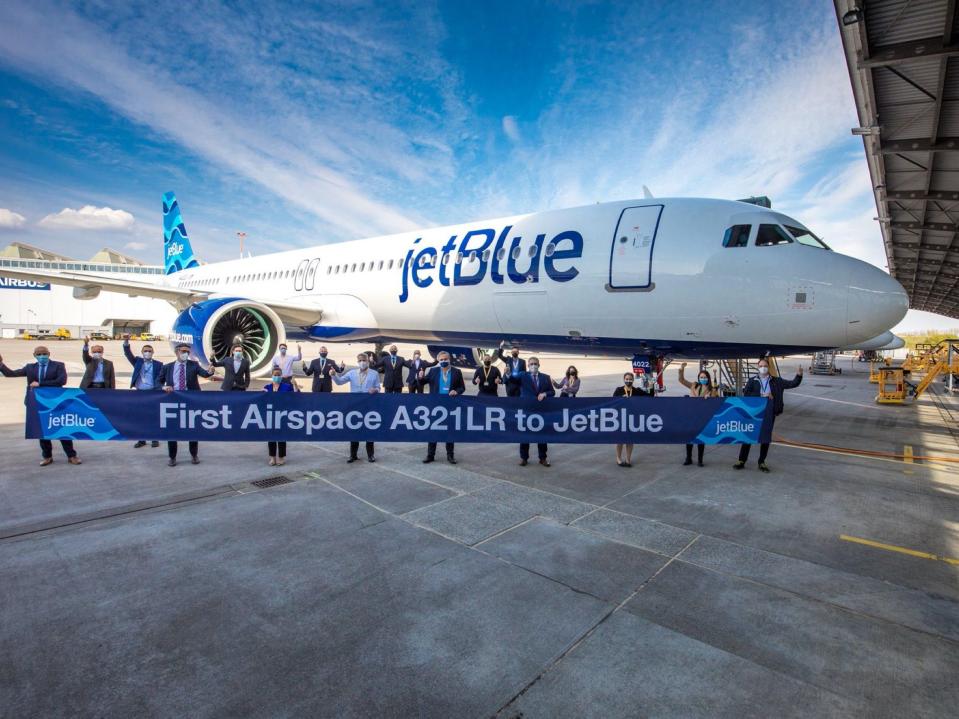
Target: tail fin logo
(178,253)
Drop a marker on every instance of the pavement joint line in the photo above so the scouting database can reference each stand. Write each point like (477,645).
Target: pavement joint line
(346,491)
(509,529)
(900,550)
(837,401)
(942,467)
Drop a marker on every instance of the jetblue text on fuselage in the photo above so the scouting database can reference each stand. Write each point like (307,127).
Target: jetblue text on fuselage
(175,248)
(423,265)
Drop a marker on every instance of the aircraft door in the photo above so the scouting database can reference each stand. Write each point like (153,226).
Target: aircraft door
(631,254)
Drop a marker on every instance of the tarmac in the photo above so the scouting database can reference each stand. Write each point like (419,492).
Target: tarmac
(829,587)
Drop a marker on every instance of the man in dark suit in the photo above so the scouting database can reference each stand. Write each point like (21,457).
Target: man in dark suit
(414,382)
(236,371)
(99,372)
(488,378)
(183,375)
(515,369)
(44,373)
(444,380)
(146,377)
(392,368)
(535,385)
(320,369)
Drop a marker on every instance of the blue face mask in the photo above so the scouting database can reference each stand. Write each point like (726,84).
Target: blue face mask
(277,380)
(444,363)
(42,359)
(703,380)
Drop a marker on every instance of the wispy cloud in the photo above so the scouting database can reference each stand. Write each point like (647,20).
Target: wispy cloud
(135,246)
(89,217)
(10,220)
(511,128)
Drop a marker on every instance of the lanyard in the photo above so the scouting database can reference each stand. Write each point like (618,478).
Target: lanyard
(486,371)
(764,386)
(628,392)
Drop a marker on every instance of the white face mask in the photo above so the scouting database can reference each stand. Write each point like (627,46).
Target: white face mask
(147,355)
(364,365)
(534,368)
(763,371)
(96,355)
(184,356)
(282,350)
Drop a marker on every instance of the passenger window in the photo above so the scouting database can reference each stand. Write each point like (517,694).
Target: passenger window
(390,267)
(550,249)
(772,235)
(737,236)
(485,255)
(381,265)
(501,253)
(459,258)
(516,252)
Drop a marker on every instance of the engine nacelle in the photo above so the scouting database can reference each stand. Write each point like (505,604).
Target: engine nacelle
(213,327)
(471,357)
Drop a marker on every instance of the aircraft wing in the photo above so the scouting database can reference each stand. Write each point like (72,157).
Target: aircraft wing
(180,297)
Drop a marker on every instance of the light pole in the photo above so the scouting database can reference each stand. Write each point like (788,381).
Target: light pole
(241,236)
(36,325)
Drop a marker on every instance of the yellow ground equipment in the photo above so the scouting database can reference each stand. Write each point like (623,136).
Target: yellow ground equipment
(874,368)
(892,386)
(62,333)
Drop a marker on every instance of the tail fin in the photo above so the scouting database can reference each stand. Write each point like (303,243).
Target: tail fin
(177,252)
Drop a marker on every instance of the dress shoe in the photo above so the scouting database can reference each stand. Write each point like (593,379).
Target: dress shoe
(371,459)
(739,465)
(45,461)
(171,463)
(154,443)
(351,460)
(523,463)
(74,460)
(700,463)
(194,459)
(139,444)
(545,463)
(688,461)
(451,459)
(428,460)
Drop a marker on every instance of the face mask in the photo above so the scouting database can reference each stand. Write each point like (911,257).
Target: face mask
(282,350)
(763,371)
(515,355)
(96,355)
(323,354)
(238,355)
(487,362)
(277,380)
(627,380)
(363,365)
(703,380)
(534,368)
(42,359)
(444,363)
(147,355)
(393,353)
(184,356)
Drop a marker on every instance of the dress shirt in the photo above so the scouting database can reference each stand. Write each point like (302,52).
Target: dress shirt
(359,381)
(98,372)
(285,363)
(145,380)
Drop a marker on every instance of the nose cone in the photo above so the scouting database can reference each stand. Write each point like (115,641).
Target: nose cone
(876,302)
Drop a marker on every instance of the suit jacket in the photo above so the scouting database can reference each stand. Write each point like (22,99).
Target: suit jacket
(508,372)
(109,378)
(321,374)
(392,372)
(138,363)
(637,392)
(55,374)
(456,380)
(193,372)
(412,379)
(231,379)
(490,388)
(542,385)
(753,388)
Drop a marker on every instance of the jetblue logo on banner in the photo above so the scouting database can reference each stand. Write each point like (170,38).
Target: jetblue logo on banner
(739,421)
(7,283)
(486,253)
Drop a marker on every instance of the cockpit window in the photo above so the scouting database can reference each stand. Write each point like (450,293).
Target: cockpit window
(737,236)
(772,235)
(805,237)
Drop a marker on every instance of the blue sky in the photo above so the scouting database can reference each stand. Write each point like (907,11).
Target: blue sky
(308,124)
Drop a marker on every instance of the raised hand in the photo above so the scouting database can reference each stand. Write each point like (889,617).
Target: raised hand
(126,337)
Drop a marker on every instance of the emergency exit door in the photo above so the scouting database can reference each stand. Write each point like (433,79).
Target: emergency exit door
(631,256)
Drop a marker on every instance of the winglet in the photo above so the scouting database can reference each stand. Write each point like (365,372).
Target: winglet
(177,251)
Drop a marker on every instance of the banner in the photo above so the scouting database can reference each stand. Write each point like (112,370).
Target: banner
(62,413)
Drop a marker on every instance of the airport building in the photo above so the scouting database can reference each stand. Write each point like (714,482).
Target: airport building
(39,309)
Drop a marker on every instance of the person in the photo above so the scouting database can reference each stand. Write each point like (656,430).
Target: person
(99,371)
(488,378)
(361,379)
(772,387)
(569,385)
(284,360)
(391,366)
(702,387)
(444,380)
(417,367)
(538,386)
(515,369)
(236,370)
(146,376)
(624,452)
(44,373)
(320,370)
(183,375)
(277,450)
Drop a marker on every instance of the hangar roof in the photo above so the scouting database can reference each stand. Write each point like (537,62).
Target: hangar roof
(903,59)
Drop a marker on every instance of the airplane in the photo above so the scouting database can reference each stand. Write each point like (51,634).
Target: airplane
(657,277)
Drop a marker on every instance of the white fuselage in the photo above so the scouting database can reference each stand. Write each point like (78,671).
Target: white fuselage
(642,276)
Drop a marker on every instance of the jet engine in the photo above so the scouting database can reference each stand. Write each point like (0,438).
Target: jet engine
(213,327)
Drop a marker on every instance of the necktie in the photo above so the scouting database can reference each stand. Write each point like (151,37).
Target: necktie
(180,379)
(322,364)
(43,371)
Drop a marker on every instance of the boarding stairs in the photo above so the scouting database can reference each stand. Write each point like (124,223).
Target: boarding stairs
(735,373)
